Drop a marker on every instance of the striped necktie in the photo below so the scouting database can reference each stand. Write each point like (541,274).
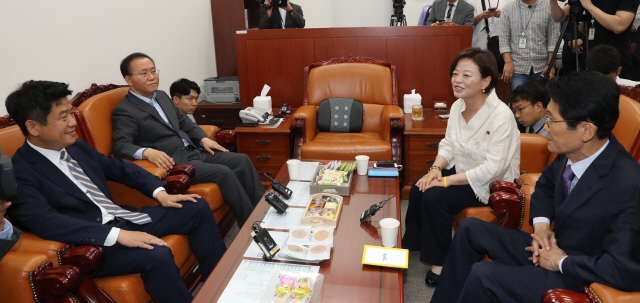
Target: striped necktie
(449,12)
(99,197)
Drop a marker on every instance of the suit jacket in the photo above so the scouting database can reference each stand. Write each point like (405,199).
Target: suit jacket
(594,223)
(6,245)
(50,205)
(294,20)
(463,13)
(137,124)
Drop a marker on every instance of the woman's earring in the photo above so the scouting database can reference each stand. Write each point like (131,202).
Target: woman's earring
(484,91)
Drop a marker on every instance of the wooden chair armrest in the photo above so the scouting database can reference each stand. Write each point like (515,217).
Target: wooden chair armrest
(210,131)
(505,186)
(392,119)
(85,257)
(53,284)
(558,295)
(510,208)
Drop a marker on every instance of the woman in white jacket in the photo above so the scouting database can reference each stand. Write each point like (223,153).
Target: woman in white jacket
(481,144)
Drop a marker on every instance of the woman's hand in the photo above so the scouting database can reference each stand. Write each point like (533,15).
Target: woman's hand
(428,180)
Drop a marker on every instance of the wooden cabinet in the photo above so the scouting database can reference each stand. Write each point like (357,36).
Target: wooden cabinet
(268,148)
(222,115)
(421,139)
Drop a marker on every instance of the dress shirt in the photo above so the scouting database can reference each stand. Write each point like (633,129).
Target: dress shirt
(621,81)
(487,148)
(541,35)
(192,118)
(538,127)
(54,157)
(578,169)
(7,231)
(138,154)
(453,10)
(283,14)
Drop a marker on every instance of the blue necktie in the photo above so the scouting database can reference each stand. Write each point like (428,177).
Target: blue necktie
(568,176)
(450,10)
(99,197)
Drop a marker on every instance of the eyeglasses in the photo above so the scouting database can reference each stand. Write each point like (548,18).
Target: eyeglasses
(147,74)
(519,110)
(548,118)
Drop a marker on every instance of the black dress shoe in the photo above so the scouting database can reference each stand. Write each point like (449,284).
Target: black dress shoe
(431,279)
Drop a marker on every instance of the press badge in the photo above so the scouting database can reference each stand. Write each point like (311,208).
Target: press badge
(523,42)
(492,28)
(592,33)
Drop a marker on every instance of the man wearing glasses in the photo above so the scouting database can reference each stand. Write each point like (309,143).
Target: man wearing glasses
(184,93)
(588,193)
(148,125)
(529,102)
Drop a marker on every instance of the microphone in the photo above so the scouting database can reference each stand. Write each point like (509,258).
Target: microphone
(275,201)
(279,187)
(367,214)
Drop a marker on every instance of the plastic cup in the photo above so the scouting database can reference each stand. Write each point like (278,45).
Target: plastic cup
(362,164)
(389,228)
(294,169)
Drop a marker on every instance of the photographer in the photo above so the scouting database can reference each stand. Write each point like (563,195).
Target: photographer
(289,16)
(610,24)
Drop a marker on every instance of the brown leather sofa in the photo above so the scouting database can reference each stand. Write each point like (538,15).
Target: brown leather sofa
(370,81)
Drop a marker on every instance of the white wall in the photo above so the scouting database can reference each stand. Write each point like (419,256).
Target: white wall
(82,42)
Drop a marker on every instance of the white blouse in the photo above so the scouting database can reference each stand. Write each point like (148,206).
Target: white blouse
(487,148)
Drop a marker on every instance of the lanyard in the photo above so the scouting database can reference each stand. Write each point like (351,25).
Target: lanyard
(524,29)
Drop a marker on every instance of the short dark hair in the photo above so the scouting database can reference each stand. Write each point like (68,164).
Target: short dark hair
(33,100)
(603,59)
(587,96)
(532,91)
(485,61)
(125,64)
(183,87)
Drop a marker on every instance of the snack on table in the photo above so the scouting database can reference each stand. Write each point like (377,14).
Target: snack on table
(314,214)
(301,290)
(283,289)
(299,299)
(295,248)
(299,233)
(329,215)
(304,282)
(281,297)
(331,205)
(333,200)
(315,211)
(321,235)
(329,210)
(319,204)
(318,249)
(288,280)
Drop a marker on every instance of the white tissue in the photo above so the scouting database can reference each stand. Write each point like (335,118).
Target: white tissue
(263,101)
(265,90)
(410,100)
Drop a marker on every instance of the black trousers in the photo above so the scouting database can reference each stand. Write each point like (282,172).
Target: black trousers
(510,277)
(235,175)
(158,270)
(430,218)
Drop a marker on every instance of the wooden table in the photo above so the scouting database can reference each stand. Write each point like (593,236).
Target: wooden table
(421,139)
(346,279)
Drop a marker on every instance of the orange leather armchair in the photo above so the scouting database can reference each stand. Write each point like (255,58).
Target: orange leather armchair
(369,81)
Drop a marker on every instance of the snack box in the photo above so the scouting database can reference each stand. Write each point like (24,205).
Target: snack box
(330,189)
(307,219)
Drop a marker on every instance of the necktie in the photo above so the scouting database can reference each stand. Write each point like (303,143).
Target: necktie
(530,129)
(568,178)
(99,197)
(450,10)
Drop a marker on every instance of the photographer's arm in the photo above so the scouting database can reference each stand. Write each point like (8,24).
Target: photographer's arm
(297,16)
(265,16)
(617,23)
(558,14)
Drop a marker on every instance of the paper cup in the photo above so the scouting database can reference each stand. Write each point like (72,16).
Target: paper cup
(389,228)
(362,163)
(294,169)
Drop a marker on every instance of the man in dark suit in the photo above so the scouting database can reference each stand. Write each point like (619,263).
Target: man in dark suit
(588,192)
(63,196)
(9,234)
(289,16)
(453,12)
(148,125)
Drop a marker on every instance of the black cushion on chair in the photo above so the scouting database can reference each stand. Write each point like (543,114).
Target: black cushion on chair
(340,115)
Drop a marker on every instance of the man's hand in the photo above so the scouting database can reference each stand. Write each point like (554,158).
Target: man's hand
(586,4)
(550,260)
(497,13)
(289,8)
(138,239)
(573,47)
(270,8)
(167,200)
(3,210)
(542,238)
(507,73)
(159,158)
(209,145)
(448,22)
(551,74)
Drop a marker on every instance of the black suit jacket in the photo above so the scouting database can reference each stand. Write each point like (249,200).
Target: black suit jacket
(293,20)
(50,205)
(137,124)
(594,223)
(6,245)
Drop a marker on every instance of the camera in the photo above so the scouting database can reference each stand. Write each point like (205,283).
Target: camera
(274,3)
(398,6)
(8,187)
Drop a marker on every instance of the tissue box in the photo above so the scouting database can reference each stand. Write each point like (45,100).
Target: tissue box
(263,103)
(410,100)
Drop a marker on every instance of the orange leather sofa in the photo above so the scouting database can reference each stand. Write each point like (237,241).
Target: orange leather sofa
(367,80)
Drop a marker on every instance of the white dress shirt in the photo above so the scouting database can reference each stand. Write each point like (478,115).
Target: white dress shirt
(7,231)
(283,14)
(487,148)
(578,169)
(626,82)
(479,34)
